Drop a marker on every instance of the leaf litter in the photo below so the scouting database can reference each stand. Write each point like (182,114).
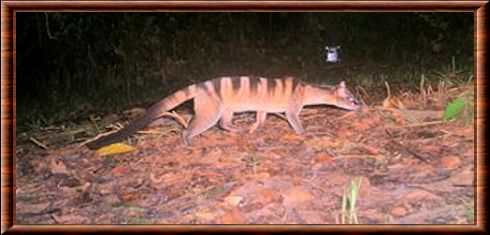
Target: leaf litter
(412,167)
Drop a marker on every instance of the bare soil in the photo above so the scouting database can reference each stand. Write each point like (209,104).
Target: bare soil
(411,172)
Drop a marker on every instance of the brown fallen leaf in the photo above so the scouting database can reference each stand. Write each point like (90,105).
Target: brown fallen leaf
(370,149)
(322,158)
(365,188)
(361,125)
(120,171)
(132,196)
(261,176)
(292,137)
(232,216)
(420,195)
(297,195)
(326,142)
(399,211)
(232,200)
(267,196)
(57,166)
(206,214)
(465,177)
(450,162)
(32,208)
(430,149)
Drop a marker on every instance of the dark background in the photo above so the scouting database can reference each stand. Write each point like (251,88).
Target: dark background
(74,65)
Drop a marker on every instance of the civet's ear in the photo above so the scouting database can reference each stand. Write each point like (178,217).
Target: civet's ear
(341,90)
(326,48)
(338,47)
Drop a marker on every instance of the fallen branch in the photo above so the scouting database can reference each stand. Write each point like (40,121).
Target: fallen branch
(413,153)
(156,180)
(38,143)
(118,127)
(157,132)
(280,115)
(177,117)
(424,124)
(378,157)
(343,116)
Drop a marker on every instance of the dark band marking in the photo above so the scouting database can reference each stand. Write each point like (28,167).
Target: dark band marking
(187,91)
(284,82)
(254,82)
(204,87)
(235,83)
(295,83)
(271,85)
(217,86)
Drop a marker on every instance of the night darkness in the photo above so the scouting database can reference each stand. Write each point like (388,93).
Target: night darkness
(73,65)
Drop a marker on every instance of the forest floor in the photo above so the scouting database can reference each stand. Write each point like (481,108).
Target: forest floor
(391,163)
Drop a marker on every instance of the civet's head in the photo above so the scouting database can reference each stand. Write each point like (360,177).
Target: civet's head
(343,98)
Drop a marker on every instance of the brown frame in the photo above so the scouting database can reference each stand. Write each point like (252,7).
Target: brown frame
(8,9)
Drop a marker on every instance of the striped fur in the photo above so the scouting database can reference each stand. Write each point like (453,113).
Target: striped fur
(218,99)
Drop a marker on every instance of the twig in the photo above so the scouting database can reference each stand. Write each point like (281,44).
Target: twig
(424,124)
(360,88)
(415,154)
(422,90)
(55,218)
(156,180)
(148,132)
(312,116)
(164,132)
(50,36)
(99,136)
(464,185)
(388,89)
(376,157)
(280,115)
(177,117)
(38,143)
(343,116)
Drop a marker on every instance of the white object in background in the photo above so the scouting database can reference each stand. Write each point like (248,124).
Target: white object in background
(332,54)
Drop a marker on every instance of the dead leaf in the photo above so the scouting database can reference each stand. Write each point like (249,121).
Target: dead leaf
(292,137)
(233,200)
(365,188)
(344,133)
(168,178)
(430,149)
(131,196)
(261,176)
(393,102)
(232,216)
(420,195)
(370,149)
(362,125)
(57,166)
(120,171)
(114,149)
(322,158)
(206,214)
(399,211)
(312,217)
(465,177)
(450,162)
(32,208)
(326,142)
(267,196)
(297,195)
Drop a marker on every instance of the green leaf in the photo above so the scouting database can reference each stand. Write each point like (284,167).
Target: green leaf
(455,108)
